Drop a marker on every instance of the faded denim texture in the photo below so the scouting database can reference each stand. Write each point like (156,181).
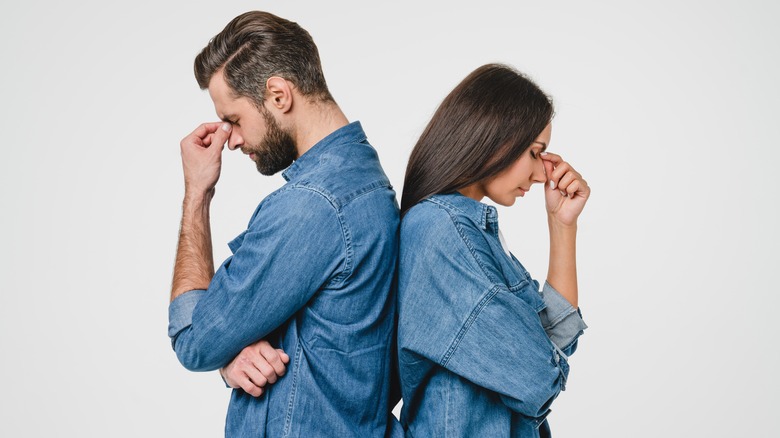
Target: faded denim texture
(482,351)
(312,274)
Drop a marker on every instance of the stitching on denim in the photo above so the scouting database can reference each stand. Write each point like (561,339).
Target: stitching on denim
(293,390)
(450,207)
(563,314)
(348,252)
(574,339)
(449,428)
(467,324)
(368,188)
(331,200)
(345,234)
(449,210)
(473,251)
(560,316)
(340,203)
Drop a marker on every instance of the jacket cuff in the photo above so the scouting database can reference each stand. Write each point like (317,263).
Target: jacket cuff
(562,322)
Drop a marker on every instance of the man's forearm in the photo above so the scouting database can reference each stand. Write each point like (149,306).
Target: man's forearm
(194,266)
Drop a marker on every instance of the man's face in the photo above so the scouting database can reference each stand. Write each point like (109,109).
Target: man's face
(256,132)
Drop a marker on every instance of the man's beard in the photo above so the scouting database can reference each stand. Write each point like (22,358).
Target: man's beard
(277,150)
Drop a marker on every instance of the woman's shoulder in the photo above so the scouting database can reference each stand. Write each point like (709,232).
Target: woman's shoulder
(447,211)
(444,220)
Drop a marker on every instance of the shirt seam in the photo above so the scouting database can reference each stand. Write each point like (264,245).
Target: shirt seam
(346,234)
(467,324)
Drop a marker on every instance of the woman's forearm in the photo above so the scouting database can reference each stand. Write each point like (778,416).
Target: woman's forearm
(562,271)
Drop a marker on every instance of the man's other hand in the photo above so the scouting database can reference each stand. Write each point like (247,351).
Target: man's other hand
(255,367)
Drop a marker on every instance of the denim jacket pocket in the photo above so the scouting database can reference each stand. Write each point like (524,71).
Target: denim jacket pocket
(528,291)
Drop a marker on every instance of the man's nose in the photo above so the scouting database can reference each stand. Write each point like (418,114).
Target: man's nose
(235,141)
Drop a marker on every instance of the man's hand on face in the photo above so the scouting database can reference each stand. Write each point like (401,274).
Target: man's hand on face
(201,156)
(256,366)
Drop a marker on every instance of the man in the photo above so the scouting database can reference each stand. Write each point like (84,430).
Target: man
(310,278)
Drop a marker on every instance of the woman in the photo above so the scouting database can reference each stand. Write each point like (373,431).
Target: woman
(482,350)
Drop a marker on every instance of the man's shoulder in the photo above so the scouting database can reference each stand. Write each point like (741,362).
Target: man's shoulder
(297,200)
(344,175)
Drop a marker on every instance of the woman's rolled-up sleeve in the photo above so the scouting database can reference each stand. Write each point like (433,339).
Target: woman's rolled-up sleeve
(562,322)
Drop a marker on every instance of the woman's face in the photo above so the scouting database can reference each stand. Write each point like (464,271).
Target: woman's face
(516,179)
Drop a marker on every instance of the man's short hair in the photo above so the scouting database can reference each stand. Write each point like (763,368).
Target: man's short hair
(257,45)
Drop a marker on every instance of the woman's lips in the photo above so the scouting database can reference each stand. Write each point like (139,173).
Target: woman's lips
(522,191)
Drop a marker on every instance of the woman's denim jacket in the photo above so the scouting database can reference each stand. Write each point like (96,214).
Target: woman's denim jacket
(482,351)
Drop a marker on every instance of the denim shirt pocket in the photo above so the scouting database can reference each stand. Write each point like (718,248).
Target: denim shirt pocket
(528,291)
(525,287)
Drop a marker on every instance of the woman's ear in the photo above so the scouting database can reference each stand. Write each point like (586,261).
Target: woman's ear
(279,93)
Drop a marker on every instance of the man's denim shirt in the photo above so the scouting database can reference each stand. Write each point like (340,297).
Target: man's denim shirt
(312,274)
(482,351)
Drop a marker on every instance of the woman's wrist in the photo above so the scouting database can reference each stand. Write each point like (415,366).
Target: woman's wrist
(558,227)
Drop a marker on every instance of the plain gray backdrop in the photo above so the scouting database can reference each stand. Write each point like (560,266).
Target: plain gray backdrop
(667,108)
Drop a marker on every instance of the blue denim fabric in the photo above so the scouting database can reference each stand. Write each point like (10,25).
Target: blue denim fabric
(312,275)
(482,351)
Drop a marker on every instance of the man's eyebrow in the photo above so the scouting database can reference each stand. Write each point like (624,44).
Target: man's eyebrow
(544,145)
(228,118)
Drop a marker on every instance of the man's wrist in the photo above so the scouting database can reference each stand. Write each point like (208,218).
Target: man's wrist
(198,197)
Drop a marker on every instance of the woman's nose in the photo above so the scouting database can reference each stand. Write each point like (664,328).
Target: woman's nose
(540,174)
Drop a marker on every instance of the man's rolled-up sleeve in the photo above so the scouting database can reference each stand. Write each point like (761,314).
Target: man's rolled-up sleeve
(294,245)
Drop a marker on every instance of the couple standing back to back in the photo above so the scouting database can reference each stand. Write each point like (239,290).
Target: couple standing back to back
(301,318)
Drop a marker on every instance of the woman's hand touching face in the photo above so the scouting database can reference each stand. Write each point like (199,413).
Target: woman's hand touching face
(565,192)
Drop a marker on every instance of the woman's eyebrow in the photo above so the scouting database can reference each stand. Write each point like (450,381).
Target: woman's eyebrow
(544,145)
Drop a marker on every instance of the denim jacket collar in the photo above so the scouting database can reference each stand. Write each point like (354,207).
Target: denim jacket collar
(351,133)
(485,216)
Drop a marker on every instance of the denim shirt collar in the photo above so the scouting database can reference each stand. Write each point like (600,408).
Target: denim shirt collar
(485,216)
(351,133)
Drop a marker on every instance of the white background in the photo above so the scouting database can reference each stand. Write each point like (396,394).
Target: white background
(667,108)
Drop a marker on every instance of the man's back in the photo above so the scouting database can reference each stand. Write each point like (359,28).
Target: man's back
(312,275)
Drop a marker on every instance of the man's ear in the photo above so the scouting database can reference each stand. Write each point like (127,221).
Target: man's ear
(279,94)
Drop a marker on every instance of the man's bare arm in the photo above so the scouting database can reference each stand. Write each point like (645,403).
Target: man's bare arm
(201,154)
(194,256)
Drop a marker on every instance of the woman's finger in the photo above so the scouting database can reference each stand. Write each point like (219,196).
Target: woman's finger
(573,187)
(561,169)
(551,157)
(565,180)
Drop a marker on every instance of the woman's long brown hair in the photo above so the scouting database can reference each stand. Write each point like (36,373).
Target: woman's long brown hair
(480,129)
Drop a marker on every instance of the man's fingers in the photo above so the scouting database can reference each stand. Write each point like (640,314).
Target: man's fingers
(266,370)
(272,357)
(203,134)
(205,129)
(285,358)
(256,376)
(221,135)
(250,388)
